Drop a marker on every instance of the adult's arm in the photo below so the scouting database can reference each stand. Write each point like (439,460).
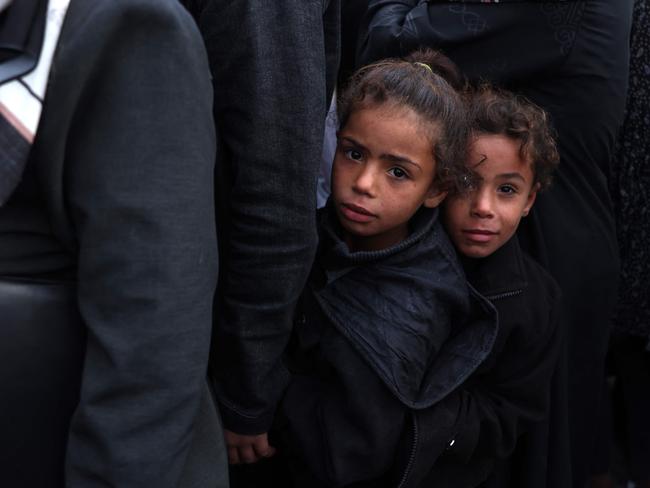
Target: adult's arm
(268,61)
(475,35)
(385,31)
(138,184)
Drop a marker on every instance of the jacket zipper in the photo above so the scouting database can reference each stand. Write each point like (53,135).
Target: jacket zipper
(506,294)
(411,460)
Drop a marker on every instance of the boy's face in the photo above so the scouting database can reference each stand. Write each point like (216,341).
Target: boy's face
(382,173)
(480,221)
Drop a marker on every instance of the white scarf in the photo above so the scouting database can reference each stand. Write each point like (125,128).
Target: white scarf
(21,102)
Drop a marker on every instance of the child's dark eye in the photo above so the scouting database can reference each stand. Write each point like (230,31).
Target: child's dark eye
(507,189)
(398,173)
(353,154)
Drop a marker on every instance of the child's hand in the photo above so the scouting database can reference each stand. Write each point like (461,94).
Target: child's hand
(247,448)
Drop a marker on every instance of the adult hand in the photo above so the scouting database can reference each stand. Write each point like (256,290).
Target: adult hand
(247,448)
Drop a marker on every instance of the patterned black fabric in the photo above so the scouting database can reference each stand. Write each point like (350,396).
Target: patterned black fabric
(631,185)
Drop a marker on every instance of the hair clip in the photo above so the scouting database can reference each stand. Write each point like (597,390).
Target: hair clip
(424,65)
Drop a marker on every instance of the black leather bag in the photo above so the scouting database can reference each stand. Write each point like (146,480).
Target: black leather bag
(41,353)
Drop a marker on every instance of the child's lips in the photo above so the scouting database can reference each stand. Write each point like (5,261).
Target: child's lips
(356,213)
(479,235)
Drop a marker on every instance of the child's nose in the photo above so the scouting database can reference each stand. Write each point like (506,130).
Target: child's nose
(482,204)
(365,180)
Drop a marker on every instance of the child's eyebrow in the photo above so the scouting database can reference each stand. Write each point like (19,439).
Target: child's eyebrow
(350,140)
(399,159)
(393,158)
(509,176)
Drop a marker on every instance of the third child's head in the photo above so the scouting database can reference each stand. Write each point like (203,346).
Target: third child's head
(512,155)
(403,132)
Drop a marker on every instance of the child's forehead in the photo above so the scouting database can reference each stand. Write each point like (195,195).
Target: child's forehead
(495,145)
(491,154)
(388,107)
(400,113)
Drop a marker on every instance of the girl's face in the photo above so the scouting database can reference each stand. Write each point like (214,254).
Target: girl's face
(482,220)
(383,172)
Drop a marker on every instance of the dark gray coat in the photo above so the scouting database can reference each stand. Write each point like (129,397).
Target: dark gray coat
(273,65)
(121,171)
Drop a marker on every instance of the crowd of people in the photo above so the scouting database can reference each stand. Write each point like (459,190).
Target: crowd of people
(346,243)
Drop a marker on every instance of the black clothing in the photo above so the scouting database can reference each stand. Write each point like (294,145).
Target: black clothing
(631,186)
(629,362)
(352,12)
(274,67)
(22,26)
(571,58)
(28,248)
(379,334)
(528,302)
(110,244)
(629,350)
(496,409)
(348,420)
(507,400)
(41,351)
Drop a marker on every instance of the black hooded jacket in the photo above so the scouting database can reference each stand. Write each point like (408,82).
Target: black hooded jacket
(351,416)
(379,335)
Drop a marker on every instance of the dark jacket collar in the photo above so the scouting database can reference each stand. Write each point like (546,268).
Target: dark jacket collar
(336,257)
(405,308)
(500,272)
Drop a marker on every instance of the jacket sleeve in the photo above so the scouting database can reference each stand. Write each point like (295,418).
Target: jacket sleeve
(385,30)
(481,422)
(268,63)
(471,35)
(138,184)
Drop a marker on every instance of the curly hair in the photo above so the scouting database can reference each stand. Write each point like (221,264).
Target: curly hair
(428,83)
(496,111)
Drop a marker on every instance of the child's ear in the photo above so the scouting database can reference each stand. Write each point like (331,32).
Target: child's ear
(531,199)
(435,196)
